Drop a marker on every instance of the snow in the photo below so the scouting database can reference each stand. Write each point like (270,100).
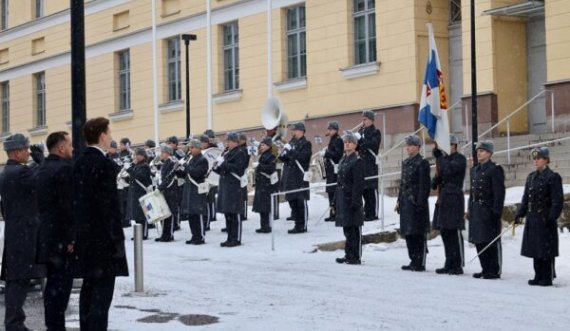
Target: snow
(297,288)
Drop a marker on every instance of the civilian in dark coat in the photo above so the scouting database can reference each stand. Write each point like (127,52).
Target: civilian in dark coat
(486,201)
(194,204)
(169,189)
(20,212)
(231,167)
(332,156)
(413,204)
(263,188)
(296,156)
(449,213)
(541,204)
(349,201)
(100,243)
(139,181)
(368,147)
(57,235)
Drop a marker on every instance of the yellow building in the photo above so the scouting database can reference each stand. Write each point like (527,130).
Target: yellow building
(330,59)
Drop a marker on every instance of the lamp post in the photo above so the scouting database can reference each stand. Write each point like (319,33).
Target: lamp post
(474,133)
(187,38)
(78,113)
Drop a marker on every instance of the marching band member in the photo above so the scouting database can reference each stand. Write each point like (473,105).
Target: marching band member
(332,156)
(125,159)
(139,181)
(296,156)
(450,206)
(207,142)
(541,204)
(413,204)
(194,203)
(113,155)
(349,214)
(169,188)
(231,167)
(172,141)
(149,146)
(486,202)
(178,154)
(243,148)
(368,147)
(263,187)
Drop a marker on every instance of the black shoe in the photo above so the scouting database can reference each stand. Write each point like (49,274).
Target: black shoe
(176,227)
(478,275)
(195,242)
(224,230)
(329,219)
(233,244)
(296,230)
(407,267)
(353,261)
(164,240)
(456,271)
(370,218)
(207,228)
(491,276)
(224,244)
(290,218)
(533,282)
(545,282)
(417,268)
(263,230)
(341,260)
(443,270)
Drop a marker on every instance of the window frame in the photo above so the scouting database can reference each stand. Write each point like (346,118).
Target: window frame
(5,106)
(4,14)
(40,98)
(174,68)
(296,57)
(230,70)
(124,71)
(369,40)
(39,8)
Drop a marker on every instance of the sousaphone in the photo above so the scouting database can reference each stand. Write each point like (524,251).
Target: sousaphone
(273,117)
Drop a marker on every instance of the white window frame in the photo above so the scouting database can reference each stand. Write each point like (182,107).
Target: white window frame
(296,56)
(231,67)
(368,14)
(124,80)
(173,69)
(40,94)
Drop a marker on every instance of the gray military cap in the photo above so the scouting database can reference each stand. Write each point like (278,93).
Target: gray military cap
(232,136)
(242,136)
(166,149)
(298,126)
(15,142)
(350,138)
(413,140)
(487,145)
(453,139)
(333,125)
(369,114)
(267,141)
(195,143)
(113,144)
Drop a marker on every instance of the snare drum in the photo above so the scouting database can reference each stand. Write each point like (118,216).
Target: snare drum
(154,207)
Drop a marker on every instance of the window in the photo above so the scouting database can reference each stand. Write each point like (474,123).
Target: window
(4,14)
(454,11)
(173,63)
(124,74)
(296,50)
(39,8)
(231,56)
(5,105)
(40,91)
(364,16)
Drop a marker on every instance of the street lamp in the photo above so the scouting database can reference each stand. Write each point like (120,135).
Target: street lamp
(187,38)
(474,123)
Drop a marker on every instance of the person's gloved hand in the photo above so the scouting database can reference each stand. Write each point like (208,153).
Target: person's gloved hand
(358,135)
(127,165)
(287,147)
(322,152)
(37,154)
(220,160)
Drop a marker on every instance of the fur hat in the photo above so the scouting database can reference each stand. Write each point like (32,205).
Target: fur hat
(267,141)
(453,139)
(413,140)
(298,126)
(487,145)
(15,142)
(172,140)
(164,148)
(125,141)
(369,114)
(113,144)
(350,137)
(232,136)
(150,143)
(333,125)
(195,143)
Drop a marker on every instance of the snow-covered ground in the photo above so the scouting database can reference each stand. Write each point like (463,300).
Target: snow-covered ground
(297,288)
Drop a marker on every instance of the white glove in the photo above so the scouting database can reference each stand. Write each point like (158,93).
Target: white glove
(322,152)
(220,160)
(358,136)
(127,165)
(255,164)
(287,147)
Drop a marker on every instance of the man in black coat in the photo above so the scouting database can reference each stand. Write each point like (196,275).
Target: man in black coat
(19,208)
(542,204)
(57,236)
(368,147)
(100,242)
(139,181)
(449,213)
(265,169)
(332,155)
(413,204)
(169,189)
(296,156)
(194,203)
(178,154)
(349,201)
(244,149)
(231,167)
(486,201)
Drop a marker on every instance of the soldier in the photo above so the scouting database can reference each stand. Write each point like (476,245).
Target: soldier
(296,156)
(332,156)
(348,203)
(449,211)
(263,186)
(178,154)
(244,149)
(18,189)
(172,141)
(231,167)
(194,203)
(486,201)
(413,205)
(169,189)
(541,204)
(114,156)
(207,142)
(125,158)
(139,181)
(368,147)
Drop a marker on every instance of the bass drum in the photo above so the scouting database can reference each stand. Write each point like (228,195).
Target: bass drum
(211,154)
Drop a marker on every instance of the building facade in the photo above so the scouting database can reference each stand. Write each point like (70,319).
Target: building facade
(329,60)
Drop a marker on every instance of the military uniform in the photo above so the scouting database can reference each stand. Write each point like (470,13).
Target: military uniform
(139,180)
(169,189)
(244,192)
(124,157)
(263,189)
(542,203)
(368,147)
(486,201)
(449,211)
(194,204)
(414,209)
(332,157)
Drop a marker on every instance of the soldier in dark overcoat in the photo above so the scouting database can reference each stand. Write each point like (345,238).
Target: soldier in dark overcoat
(368,147)
(413,204)
(486,201)
(207,140)
(296,156)
(449,212)
(139,180)
(169,188)
(125,160)
(348,203)
(541,205)
(19,208)
(231,167)
(263,188)
(331,156)
(194,204)
(245,150)
(178,154)
(100,241)
(57,235)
